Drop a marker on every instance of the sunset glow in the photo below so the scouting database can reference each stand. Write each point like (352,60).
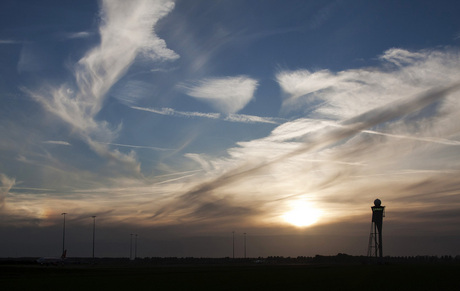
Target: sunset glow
(302,214)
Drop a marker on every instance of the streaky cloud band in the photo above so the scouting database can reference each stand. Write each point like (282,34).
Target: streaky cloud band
(136,146)
(57,142)
(242,118)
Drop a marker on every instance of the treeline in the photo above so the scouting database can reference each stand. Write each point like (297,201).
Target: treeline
(340,258)
(318,259)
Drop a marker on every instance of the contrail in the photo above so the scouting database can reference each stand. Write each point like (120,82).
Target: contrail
(240,118)
(136,146)
(427,139)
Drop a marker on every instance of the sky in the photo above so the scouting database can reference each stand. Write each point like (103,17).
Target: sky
(199,127)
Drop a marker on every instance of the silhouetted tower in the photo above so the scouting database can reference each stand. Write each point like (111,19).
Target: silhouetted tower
(375,237)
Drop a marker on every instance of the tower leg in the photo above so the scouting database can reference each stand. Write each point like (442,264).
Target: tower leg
(379,229)
(376,242)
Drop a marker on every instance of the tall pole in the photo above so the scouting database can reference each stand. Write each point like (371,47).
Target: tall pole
(233,244)
(94,231)
(63,233)
(244,245)
(135,246)
(131,247)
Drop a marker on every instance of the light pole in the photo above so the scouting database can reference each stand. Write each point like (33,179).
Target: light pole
(233,244)
(94,231)
(131,247)
(63,233)
(244,245)
(135,246)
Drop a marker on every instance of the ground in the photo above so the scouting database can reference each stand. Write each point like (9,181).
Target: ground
(232,277)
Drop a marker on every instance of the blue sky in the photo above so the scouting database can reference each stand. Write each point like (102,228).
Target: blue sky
(183,121)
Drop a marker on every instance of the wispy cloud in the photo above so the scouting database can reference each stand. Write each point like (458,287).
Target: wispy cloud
(241,118)
(457,36)
(244,118)
(425,139)
(401,57)
(348,93)
(138,146)
(57,142)
(126,33)
(228,95)
(131,91)
(323,14)
(10,41)
(32,189)
(76,35)
(172,112)
(6,184)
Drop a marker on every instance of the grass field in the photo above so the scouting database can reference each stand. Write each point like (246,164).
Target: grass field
(232,277)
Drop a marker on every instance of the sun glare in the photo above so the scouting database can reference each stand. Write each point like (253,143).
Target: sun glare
(302,214)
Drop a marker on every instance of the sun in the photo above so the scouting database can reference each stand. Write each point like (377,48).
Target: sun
(302,214)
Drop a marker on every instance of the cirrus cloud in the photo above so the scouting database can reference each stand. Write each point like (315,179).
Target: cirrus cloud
(228,95)
(6,184)
(339,95)
(126,33)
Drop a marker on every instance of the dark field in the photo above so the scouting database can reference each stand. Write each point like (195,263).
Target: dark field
(232,277)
